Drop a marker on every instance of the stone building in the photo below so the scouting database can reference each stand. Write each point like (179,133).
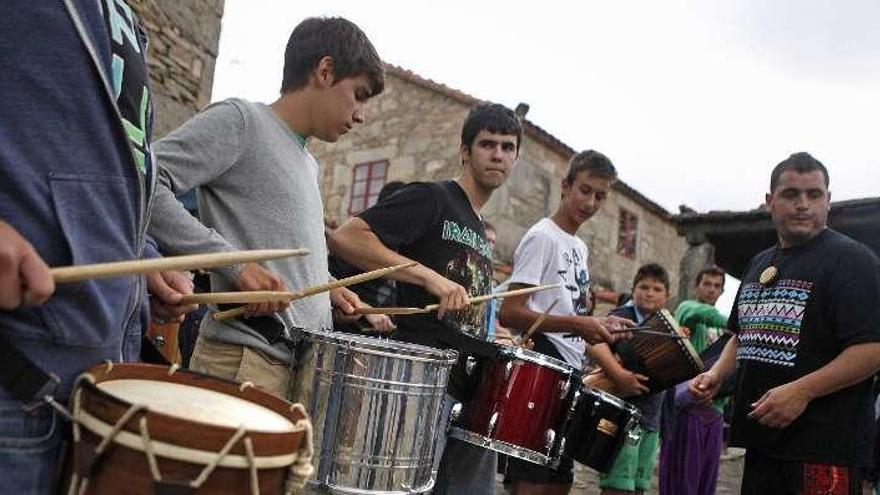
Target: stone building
(413,133)
(183,40)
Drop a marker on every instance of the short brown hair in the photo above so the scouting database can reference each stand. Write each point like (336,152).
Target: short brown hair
(593,162)
(654,271)
(340,39)
(710,270)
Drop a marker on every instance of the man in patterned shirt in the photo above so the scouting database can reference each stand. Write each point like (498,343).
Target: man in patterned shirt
(807,327)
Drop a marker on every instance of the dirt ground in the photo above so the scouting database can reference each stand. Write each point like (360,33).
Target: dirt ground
(586,482)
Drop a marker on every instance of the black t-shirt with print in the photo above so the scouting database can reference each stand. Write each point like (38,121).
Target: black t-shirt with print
(434,224)
(130,80)
(824,299)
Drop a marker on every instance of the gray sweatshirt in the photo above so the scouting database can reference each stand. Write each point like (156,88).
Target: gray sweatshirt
(258,189)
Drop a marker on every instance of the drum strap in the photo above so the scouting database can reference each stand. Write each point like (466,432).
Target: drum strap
(268,327)
(21,377)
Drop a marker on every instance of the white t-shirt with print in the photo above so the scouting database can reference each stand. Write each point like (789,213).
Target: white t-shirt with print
(548,255)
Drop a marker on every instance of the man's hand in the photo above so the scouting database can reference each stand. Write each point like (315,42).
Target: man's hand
(24,276)
(453,297)
(380,323)
(166,289)
(779,406)
(344,300)
(630,384)
(618,323)
(595,330)
(705,386)
(255,277)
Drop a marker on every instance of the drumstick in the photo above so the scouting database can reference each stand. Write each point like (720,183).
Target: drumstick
(538,322)
(78,273)
(317,289)
(647,331)
(388,310)
(501,295)
(243,297)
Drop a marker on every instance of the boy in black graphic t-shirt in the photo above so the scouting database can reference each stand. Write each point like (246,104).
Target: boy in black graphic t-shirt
(807,327)
(439,225)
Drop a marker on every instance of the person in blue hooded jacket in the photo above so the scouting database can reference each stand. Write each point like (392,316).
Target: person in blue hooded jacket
(76,178)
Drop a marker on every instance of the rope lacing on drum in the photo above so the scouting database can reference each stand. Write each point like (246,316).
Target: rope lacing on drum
(74,421)
(173,368)
(301,469)
(148,449)
(106,441)
(239,433)
(249,450)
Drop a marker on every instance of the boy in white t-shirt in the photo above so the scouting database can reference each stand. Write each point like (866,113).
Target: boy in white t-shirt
(549,253)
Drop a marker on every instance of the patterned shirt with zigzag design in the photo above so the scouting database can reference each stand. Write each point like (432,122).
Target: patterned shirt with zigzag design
(770,321)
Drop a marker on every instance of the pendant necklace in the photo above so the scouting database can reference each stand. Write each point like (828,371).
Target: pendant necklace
(768,276)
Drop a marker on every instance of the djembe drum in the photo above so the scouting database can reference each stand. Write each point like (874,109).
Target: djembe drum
(666,361)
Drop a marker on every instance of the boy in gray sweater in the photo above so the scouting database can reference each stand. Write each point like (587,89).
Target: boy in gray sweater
(258,189)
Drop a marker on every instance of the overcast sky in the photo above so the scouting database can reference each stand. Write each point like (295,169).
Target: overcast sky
(694,101)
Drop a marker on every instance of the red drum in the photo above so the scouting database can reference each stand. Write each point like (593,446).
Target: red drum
(598,426)
(519,406)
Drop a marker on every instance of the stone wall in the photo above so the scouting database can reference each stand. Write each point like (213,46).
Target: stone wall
(417,129)
(183,37)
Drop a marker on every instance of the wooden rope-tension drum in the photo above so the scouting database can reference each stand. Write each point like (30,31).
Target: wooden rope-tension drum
(142,428)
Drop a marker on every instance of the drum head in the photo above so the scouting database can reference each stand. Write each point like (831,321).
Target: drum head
(197,404)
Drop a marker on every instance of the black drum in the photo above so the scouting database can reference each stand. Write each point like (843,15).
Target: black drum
(598,426)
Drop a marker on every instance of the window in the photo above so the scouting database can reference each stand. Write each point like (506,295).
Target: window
(627,234)
(365,186)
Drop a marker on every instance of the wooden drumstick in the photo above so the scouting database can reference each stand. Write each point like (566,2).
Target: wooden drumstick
(537,323)
(317,289)
(501,295)
(78,273)
(647,331)
(388,310)
(243,297)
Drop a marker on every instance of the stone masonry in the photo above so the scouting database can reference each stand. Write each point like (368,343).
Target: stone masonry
(416,124)
(183,40)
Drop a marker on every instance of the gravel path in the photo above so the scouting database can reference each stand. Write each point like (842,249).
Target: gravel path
(586,482)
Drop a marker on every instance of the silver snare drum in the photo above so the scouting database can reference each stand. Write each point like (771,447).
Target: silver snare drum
(375,406)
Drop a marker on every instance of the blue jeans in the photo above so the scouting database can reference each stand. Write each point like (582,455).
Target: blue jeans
(31,449)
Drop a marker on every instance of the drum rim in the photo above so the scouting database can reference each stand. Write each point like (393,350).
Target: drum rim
(375,345)
(363,491)
(684,342)
(183,453)
(500,446)
(617,401)
(533,357)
